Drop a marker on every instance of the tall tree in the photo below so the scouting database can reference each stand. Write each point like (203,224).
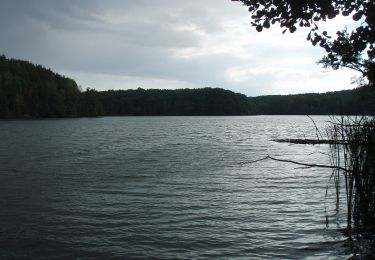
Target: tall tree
(354,49)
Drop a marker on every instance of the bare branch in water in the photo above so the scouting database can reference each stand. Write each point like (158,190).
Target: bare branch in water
(308,141)
(307,165)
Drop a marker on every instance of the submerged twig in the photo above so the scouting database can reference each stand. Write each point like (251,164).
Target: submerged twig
(308,165)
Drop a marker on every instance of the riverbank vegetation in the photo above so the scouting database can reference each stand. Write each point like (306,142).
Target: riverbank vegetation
(359,101)
(32,91)
(353,158)
(179,102)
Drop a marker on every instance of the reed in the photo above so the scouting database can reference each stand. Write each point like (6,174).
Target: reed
(352,155)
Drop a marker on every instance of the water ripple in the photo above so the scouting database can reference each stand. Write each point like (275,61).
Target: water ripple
(161,188)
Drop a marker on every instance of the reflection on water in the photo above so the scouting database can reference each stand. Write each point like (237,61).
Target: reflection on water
(163,187)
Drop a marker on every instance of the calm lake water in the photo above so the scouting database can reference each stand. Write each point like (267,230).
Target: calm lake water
(163,187)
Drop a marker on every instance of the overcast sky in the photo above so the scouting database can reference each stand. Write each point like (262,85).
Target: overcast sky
(121,44)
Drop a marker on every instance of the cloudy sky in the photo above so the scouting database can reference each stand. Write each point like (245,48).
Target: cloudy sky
(168,44)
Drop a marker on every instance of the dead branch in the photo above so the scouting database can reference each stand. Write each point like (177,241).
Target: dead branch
(308,141)
(307,165)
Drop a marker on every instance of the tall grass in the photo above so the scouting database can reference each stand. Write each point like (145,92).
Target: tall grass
(353,149)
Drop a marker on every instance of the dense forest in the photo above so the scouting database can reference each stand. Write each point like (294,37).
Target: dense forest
(204,101)
(359,101)
(32,91)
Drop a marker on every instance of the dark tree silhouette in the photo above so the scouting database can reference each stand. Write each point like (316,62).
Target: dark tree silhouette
(358,101)
(187,102)
(354,49)
(32,91)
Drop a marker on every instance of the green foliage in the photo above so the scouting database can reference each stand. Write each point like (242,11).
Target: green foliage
(360,101)
(90,104)
(204,101)
(354,49)
(31,91)
(4,110)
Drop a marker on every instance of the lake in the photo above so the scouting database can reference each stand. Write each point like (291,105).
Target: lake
(164,188)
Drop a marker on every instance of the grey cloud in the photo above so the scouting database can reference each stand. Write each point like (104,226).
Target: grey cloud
(78,30)
(134,38)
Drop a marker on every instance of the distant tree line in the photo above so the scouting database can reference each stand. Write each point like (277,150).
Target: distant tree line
(204,101)
(32,91)
(359,101)
(216,101)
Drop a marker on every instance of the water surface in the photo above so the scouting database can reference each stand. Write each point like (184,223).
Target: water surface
(162,187)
